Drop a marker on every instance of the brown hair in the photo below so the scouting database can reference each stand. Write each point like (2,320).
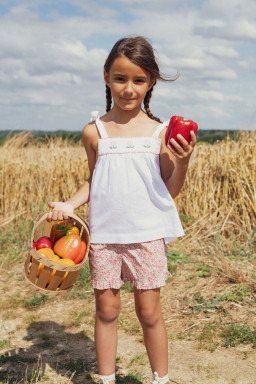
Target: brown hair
(140,52)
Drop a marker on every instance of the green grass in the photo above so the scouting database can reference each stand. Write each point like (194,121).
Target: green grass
(178,257)
(207,338)
(75,366)
(82,287)
(22,374)
(208,371)
(79,318)
(6,343)
(127,286)
(141,359)
(236,250)
(203,270)
(130,379)
(231,335)
(199,304)
(15,299)
(36,301)
(238,295)
(174,258)
(17,359)
(234,334)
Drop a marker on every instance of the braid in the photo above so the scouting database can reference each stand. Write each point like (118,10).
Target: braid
(146,105)
(108,98)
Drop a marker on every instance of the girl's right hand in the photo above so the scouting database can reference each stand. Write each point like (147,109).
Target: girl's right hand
(59,211)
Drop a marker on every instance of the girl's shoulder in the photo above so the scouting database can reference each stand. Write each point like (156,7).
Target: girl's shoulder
(90,131)
(90,137)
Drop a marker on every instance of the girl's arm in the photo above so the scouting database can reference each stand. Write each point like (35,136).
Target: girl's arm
(60,210)
(174,164)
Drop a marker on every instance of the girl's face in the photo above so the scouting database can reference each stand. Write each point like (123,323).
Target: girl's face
(128,82)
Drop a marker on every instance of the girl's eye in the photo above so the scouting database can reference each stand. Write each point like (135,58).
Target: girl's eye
(120,79)
(140,81)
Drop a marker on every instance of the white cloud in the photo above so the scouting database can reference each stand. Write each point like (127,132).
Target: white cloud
(51,66)
(223,52)
(233,30)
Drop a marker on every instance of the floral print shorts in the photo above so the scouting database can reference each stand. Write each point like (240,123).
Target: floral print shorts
(143,264)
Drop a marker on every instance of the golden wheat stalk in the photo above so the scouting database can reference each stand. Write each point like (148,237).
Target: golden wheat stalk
(219,193)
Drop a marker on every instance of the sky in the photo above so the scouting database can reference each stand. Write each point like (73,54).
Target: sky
(52,55)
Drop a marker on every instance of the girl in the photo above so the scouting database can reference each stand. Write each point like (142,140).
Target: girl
(133,180)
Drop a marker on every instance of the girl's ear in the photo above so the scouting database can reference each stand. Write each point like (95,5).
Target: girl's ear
(106,77)
(151,84)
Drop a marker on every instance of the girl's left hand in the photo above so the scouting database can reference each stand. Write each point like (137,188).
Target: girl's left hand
(183,154)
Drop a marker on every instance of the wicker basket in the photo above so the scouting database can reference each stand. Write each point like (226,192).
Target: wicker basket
(58,283)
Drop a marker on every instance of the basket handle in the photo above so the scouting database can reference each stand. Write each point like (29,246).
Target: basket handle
(42,216)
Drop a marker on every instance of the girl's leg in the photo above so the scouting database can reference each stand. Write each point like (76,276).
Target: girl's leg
(148,309)
(107,311)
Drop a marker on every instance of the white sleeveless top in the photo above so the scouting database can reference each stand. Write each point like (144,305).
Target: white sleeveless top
(129,201)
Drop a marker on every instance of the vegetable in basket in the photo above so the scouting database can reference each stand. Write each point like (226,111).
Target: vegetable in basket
(62,262)
(70,247)
(61,228)
(42,242)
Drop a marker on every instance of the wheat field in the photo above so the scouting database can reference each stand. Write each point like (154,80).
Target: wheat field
(219,194)
(208,303)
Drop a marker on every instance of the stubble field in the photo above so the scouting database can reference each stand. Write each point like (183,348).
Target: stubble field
(209,303)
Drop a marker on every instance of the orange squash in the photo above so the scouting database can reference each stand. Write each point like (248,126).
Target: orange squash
(50,256)
(47,252)
(68,247)
(62,262)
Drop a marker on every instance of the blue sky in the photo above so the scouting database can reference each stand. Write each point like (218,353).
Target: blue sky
(52,55)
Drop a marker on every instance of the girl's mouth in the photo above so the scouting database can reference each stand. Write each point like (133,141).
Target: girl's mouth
(128,99)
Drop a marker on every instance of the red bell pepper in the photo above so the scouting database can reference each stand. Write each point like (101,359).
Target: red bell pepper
(178,125)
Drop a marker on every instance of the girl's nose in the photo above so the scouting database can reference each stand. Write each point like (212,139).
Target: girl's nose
(128,87)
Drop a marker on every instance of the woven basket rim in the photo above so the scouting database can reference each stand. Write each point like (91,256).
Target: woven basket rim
(43,216)
(59,267)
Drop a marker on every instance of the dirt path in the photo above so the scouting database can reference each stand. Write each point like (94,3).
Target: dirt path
(55,339)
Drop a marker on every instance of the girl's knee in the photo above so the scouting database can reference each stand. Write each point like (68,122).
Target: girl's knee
(108,307)
(108,313)
(149,316)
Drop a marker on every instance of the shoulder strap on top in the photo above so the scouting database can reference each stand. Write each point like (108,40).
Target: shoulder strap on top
(159,128)
(101,128)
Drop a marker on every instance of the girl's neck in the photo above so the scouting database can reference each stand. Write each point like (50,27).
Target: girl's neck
(128,123)
(119,116)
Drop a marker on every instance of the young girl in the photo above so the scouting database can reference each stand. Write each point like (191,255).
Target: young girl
(133,180)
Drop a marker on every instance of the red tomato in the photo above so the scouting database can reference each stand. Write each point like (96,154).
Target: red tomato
(68,247)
